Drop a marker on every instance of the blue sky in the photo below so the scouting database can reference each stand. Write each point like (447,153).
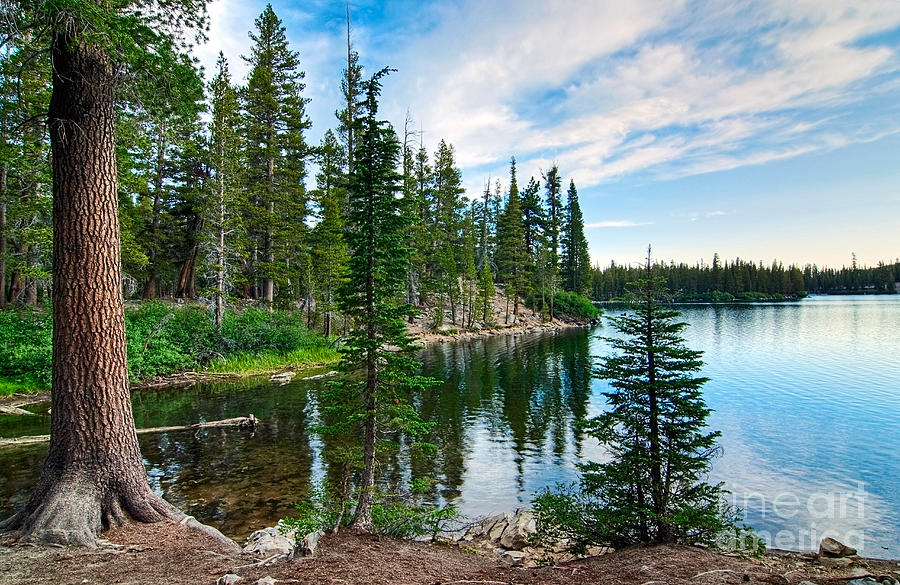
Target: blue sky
(759,130)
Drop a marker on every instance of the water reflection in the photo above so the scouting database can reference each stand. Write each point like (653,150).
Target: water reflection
(807,396)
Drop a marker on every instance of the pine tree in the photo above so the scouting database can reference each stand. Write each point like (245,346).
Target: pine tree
(25,198)
(224,162)
(163,161)
(653,489)
(533,222)
(511,258)
(552,228)
(576,260)
(276,154)
(446,185)
(93,476)
(329,251)
(378,357)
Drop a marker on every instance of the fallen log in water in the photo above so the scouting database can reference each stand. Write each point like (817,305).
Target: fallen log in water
(16,411)
(242,422)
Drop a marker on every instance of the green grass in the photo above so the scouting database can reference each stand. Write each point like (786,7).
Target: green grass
(21,385)
(248,364)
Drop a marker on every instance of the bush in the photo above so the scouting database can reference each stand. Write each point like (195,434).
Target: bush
(256,330)
(26,347)
(571,304)
(162,339)
(397,515)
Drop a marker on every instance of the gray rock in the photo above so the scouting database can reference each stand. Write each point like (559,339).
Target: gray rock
(860,572)
(282,378)
(513,558)
(865,581)
(496,530)
(270,541)
(806,583)
(309,543)
(830,547)
(267,580)
(228,579)
(520,529)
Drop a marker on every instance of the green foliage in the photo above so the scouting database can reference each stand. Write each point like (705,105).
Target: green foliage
(320,511)
(400,515)
(572,304)
(715,283)
(396,516)
(164,339)
(25,349)
(256,330)
(576,261)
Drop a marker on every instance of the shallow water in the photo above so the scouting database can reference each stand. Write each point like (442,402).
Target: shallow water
(807,396)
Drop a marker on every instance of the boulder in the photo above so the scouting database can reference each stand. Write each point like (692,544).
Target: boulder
(519,531)
(267,580)
(512,558)
(496,531)
(835,563)
(270,541)
(228,579)
(309,543)
(830,547)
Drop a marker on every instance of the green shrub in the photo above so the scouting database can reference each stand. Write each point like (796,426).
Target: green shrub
(163,339)
(569,303)
(319,512)
(256,330)
(26,348)
(397,515)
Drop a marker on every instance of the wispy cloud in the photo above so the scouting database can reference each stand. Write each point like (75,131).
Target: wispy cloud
(670,89)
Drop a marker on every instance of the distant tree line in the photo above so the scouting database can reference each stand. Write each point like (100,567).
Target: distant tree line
(214,200)
(742,280)
(880,279)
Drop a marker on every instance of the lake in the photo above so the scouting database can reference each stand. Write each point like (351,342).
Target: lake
(806,394)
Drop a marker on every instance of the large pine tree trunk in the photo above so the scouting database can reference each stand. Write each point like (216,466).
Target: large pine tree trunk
(93,476)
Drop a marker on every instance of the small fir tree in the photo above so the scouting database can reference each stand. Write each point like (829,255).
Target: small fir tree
(379,357)
(653,487)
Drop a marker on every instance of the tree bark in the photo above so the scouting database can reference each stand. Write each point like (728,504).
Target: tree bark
(93,476)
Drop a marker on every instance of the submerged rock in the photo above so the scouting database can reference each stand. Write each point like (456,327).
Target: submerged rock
(282,378)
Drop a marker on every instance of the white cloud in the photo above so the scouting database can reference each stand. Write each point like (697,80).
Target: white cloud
(609,90)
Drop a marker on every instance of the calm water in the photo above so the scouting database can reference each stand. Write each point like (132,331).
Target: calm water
(807,396)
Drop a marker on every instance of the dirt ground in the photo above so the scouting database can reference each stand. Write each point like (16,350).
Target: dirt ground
(170,553)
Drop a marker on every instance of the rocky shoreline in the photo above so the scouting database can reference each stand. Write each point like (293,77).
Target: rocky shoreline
(510,541)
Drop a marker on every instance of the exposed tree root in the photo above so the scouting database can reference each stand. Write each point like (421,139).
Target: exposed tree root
(74,510)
